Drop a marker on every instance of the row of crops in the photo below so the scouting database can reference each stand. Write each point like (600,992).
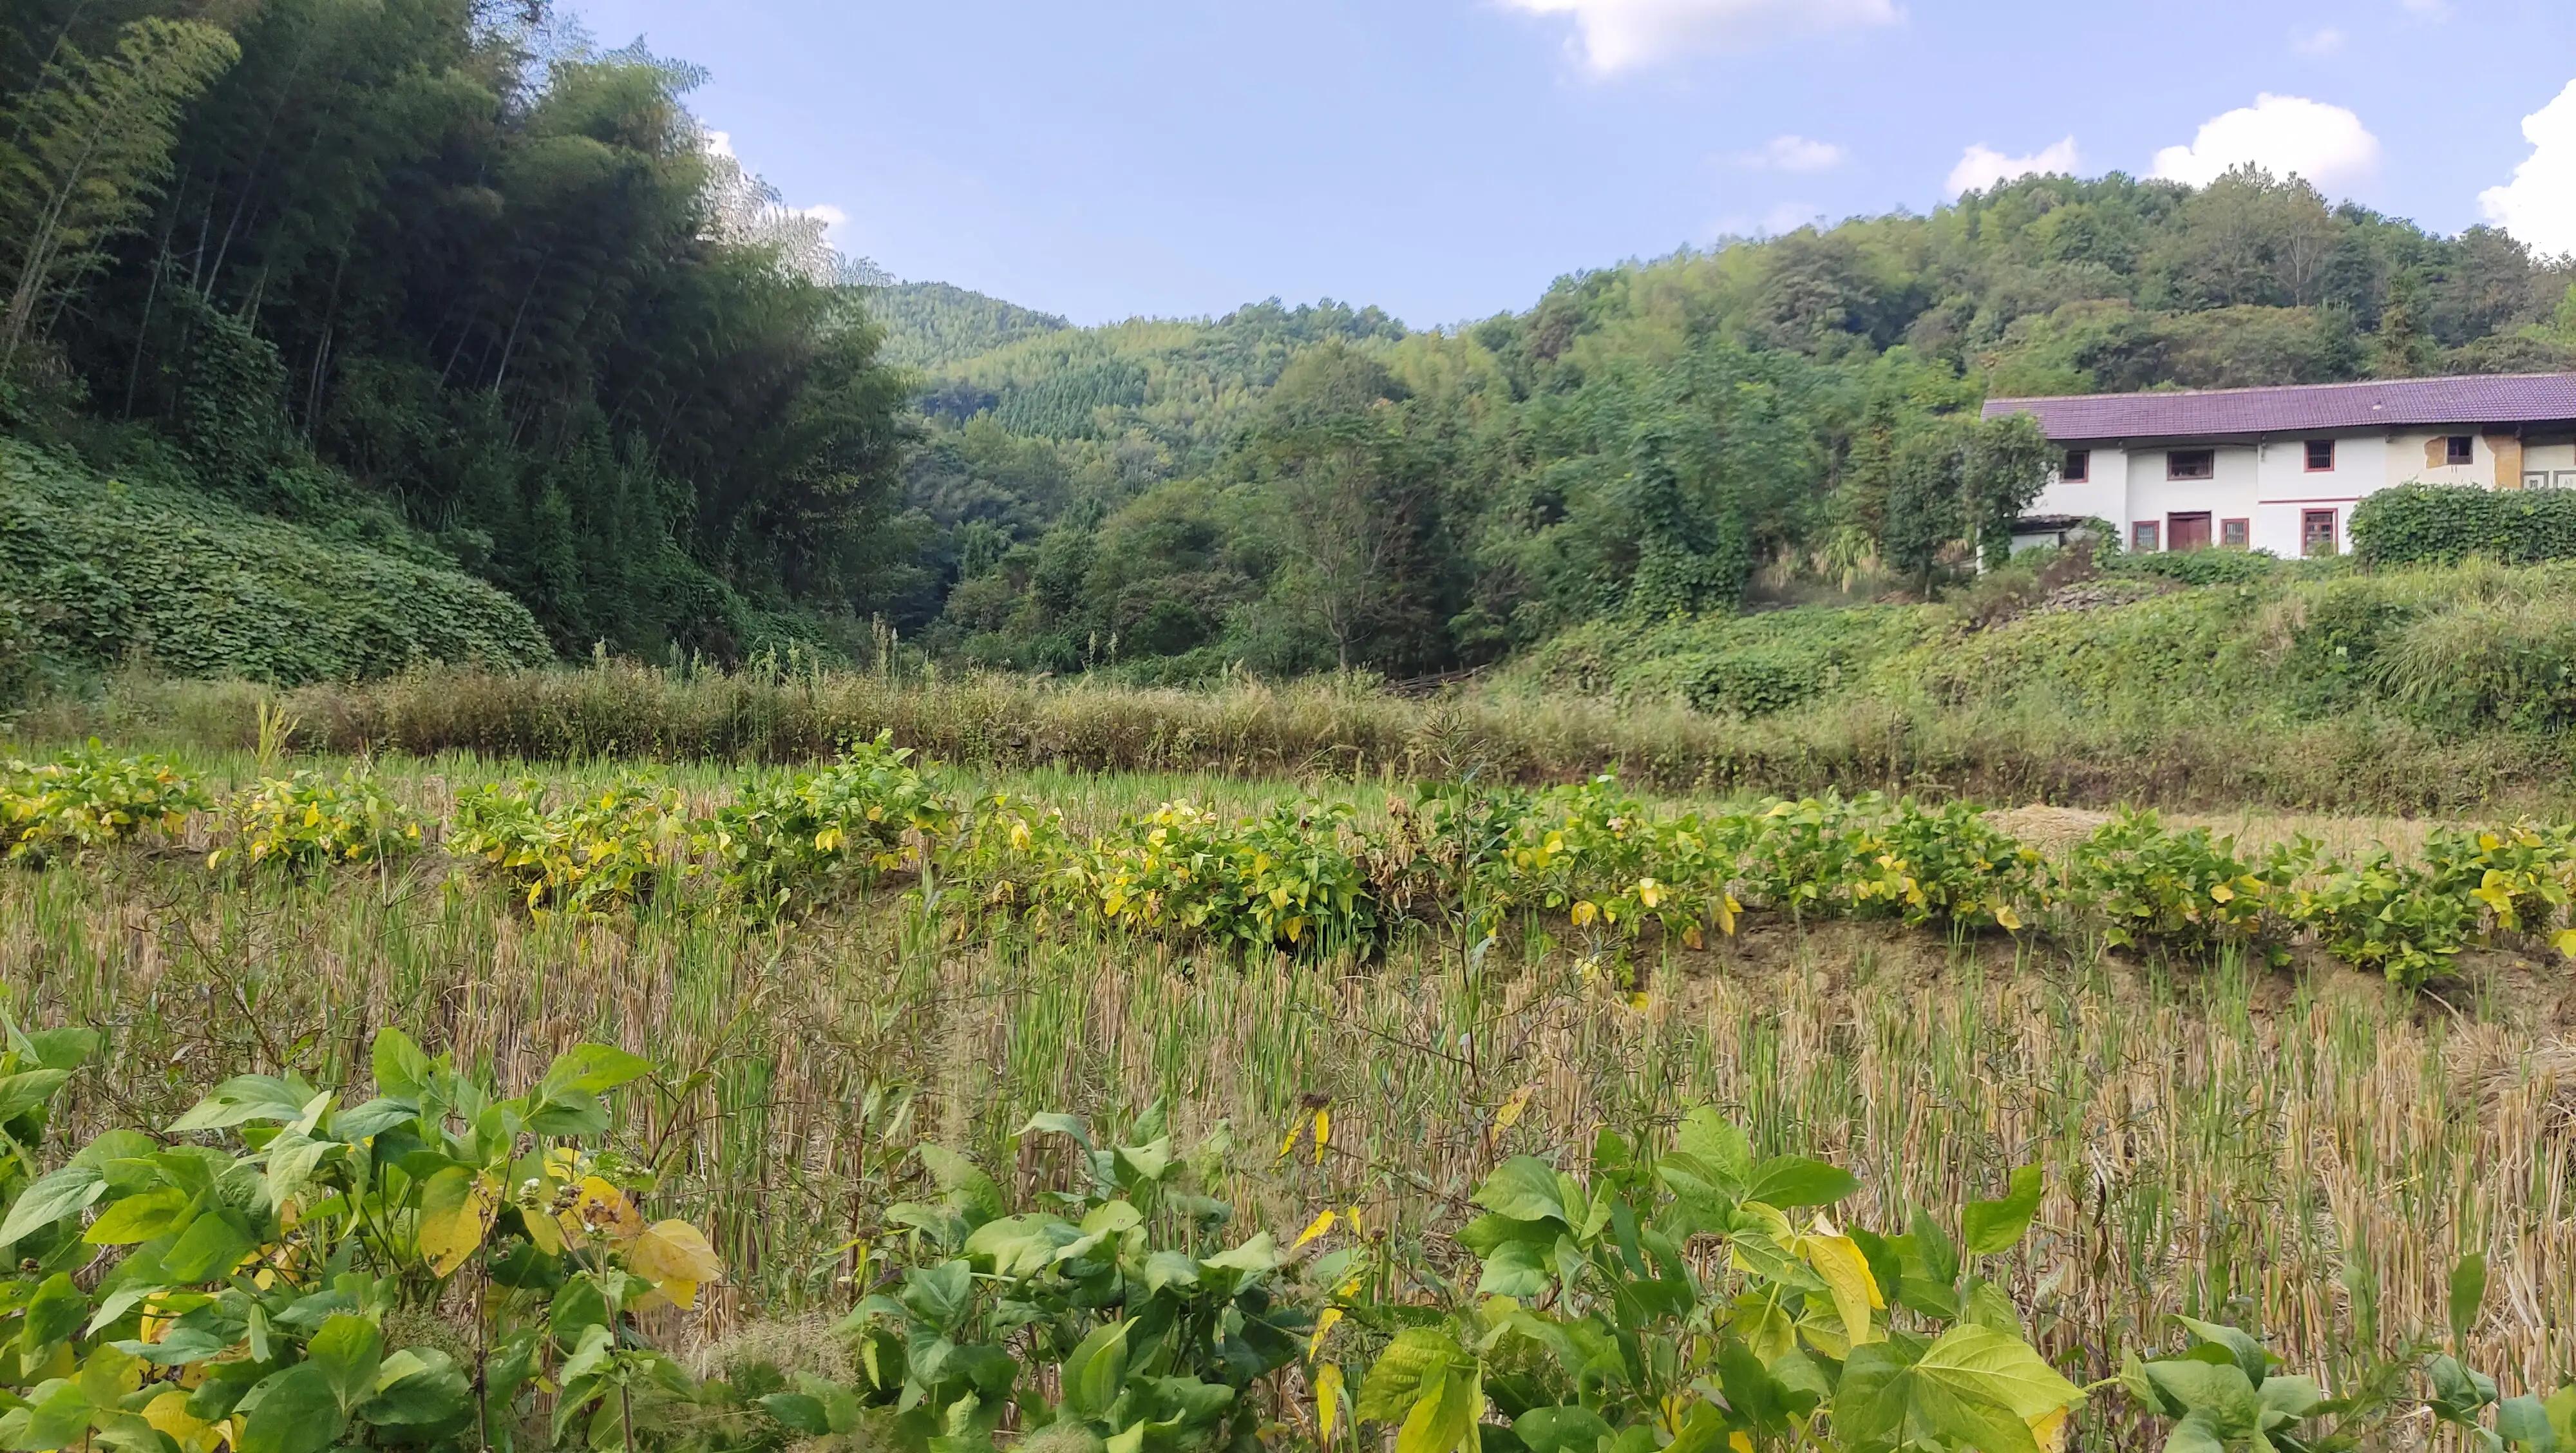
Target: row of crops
(1600,869)
(443,1267)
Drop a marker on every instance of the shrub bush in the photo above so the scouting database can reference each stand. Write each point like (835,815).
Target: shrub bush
(89,798)
(2443,524)
(786,841)
(593,854)
(308,822)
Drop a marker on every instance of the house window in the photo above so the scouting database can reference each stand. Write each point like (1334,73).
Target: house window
(2320,456)
(2464,450)
(2079,466)
(2235,534)
(2192,464)
(2146,537)
(2317,532)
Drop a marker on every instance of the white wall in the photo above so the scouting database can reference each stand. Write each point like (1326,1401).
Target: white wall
(2152,496)
(2555,458)
(2103,494)
(2270,486)
(2287,489)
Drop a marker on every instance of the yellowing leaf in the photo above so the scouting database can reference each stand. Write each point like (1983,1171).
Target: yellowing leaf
(2222,894)
(2048,1430)
(1585,913)
(1323,1132)
(456,1210)
(1317,1227)
(1323,1325)
(602,1210)
(1328,1401)
(2008,920)
(1838,1260)
(676,1259)
(168,1414)
(1740,1441)
(2567,942)
(1509,1112)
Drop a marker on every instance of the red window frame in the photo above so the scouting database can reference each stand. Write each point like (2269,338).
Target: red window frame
(2235,534)
(2078,468)
(2147,536)
(2328,445)
(2308,533)
(2460,450)
(2174,458)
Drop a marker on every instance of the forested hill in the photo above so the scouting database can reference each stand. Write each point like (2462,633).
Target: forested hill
(439,265)
(1298,488)
(933,325)
(437,280)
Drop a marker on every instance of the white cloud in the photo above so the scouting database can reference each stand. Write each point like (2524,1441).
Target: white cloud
(825,213)
(2328,41)
(1981,166)
(1617,35)
(2285,135)
(1795,154)
(2539,205)
(720,143)
(2429,9)
(1786,217)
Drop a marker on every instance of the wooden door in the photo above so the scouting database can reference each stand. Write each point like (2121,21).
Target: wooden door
(2187,532)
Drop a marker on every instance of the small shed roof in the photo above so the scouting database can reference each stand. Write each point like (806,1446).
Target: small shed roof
(2481,400)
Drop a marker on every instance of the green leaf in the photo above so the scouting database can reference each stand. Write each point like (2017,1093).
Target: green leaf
(401,1070)
(53,1313)
(208,1250)
(1560,1430)
(1989,1227)
(155,1212)
(66,1192)
(797,1413)
(1717,1142)
(1982,1363)
(348,1349)
(295,1411)
(1516,1269)
(62,1049)
(969,1188)
(2219,1395)
(1096,1372)
(1021,1246)
(1394,1382)
(1442,1418)
(1791,1181)
(2468,1289)
(596,1069)
(2240,1347)
(22,1092)
(1932,1245)
(2523,1422)
(418,1387)
(1524,1190)
(245,1098)
(2196,1433)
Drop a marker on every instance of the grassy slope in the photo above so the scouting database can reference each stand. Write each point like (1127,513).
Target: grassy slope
(933,325)
(191,585)
(2181,1114)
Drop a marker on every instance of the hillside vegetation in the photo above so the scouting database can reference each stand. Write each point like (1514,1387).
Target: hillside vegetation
(1770,420)
(95,573)
(439,261)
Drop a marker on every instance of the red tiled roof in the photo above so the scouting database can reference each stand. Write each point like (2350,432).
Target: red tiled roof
(2389,404)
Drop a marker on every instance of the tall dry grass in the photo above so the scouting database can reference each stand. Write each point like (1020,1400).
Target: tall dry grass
(2030,747)
(2307,1157)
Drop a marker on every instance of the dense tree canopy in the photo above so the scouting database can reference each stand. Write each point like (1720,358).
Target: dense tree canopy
(1292,489)
(429,272)
(421,257)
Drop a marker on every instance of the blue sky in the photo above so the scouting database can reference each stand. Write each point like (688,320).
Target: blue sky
(1446,159)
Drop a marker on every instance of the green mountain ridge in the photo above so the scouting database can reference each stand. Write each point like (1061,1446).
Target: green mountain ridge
(1781,420)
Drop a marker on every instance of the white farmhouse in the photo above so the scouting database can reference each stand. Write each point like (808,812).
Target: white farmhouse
(2280,469)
